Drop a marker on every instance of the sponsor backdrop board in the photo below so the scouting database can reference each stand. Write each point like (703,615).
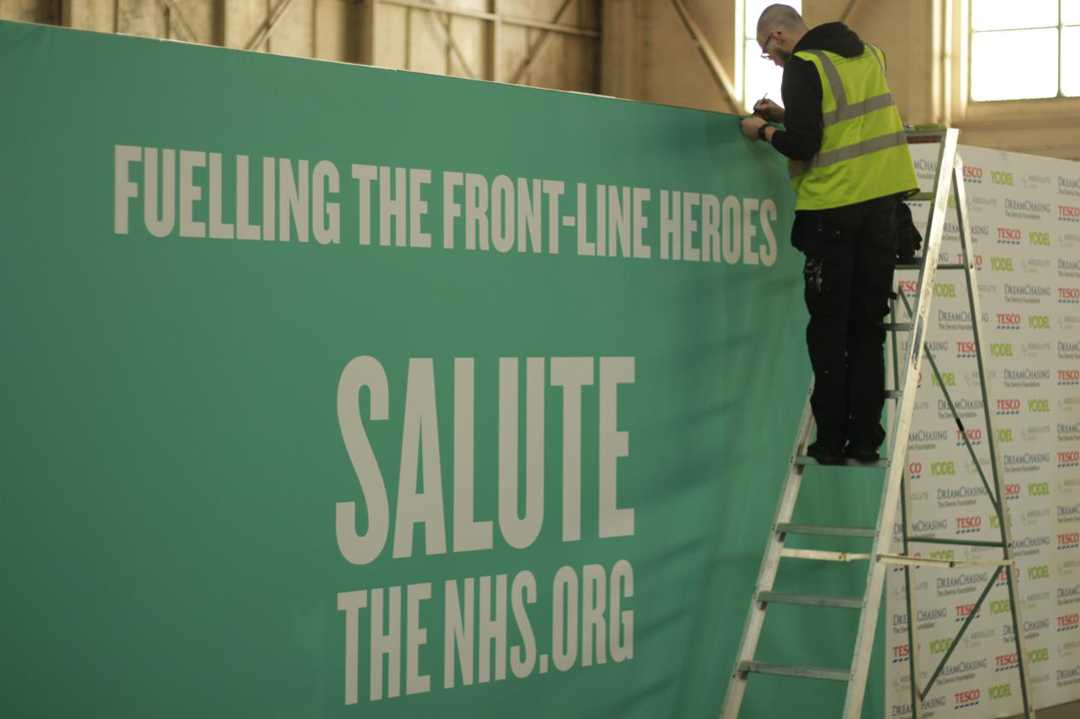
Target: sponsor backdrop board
(1025,221)
(335,391)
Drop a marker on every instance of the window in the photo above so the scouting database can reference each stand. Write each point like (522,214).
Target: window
(759,76)
(1025,50)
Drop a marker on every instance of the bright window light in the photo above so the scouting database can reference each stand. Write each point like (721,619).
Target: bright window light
(760,76)
(997,75)
(1043,33)
(1070,61)
(1070,12)
(1005,15)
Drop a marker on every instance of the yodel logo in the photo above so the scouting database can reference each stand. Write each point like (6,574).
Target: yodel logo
(1000,177)
(943,468)
(1041,571)
(1039,322)
(1039,239)
(1001,264)
(997,349)
(1039,489)
(1000,691)
(948,290)
(1038,405)
(939,646)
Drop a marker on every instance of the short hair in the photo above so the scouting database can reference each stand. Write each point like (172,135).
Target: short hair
(779,17)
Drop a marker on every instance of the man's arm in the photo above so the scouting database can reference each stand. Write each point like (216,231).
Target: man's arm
(801,137)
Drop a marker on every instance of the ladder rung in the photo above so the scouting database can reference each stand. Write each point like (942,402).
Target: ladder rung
(825,530)
(804,460)
(898,326)
(941,266)
(920,197)
(806,672)
(821,555)
(950,563)
(810,600)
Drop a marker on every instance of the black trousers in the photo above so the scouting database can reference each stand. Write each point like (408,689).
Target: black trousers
(850,258)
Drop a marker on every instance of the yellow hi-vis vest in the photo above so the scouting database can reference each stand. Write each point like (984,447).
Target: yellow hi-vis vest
(864,152)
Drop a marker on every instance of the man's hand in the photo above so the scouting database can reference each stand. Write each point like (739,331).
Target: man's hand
(750,126)
(769,110)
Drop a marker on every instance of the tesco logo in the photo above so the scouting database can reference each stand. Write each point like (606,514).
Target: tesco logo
(1010,234)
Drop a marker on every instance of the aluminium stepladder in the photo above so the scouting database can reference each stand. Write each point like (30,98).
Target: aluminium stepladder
(895,493)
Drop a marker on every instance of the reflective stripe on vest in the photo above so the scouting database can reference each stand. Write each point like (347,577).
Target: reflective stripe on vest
(823,182)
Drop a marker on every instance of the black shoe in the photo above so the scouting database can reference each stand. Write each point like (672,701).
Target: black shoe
(825,454)
(862,455)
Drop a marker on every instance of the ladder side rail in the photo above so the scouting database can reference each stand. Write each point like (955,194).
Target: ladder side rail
(905,502)
(909,597)
(770,564)
(995,464)
(864,640)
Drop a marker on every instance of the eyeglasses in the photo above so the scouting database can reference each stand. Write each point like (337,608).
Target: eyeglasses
(765,49)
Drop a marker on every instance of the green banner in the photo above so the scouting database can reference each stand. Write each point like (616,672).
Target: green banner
(336,391)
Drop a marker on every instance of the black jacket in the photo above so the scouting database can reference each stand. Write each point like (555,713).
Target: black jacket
(801,90)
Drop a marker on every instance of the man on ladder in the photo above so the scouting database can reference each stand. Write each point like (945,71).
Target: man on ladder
(850,166)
